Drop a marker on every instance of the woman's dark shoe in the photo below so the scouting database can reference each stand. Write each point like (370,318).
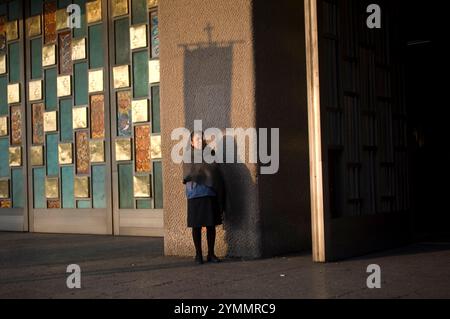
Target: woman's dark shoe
(199,259)
(213,259)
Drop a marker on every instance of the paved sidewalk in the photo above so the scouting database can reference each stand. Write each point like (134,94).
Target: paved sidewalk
(34,266)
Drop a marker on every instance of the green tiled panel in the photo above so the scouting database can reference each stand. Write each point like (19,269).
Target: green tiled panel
(126,196)
(35,7)
(81,83)
(18,190)
(4,157)
(68,200)
(140,74)
(84,204)
(50,89)
(96,46)
(66,120)
(122,44)
(158,185)
(36,58)
(144,204)
(81,32)
(139,11)
(3,95)
(39,188)
(52,154)
(14,62)
(63,3)
(15,10)
(156,117)
(98,186)
(3,9)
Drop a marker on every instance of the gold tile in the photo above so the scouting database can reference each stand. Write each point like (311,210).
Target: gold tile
(35,90)
(138,36)
(79,117)
(95,81)
(3,126)
(51,187)
(153,71)
(37,155)
(50,121)
(81,187)
(12,32)
(63,86)
(65,153)
(155,146)
(48,55)
(15,156)
(4,189)
(79,49)
(141,185)
(152,3)
(94,11)
(34,26)
(119,7)
(97,151)
(139,111)
(61,19)
(123,150)
(121,76)
(13,93)
(2,63)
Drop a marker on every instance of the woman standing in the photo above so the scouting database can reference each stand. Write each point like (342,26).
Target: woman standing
(205,194)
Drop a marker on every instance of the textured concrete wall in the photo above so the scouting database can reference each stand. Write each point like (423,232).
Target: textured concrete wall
(213,82)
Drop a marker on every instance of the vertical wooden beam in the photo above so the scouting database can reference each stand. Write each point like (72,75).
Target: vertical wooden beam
(314,131)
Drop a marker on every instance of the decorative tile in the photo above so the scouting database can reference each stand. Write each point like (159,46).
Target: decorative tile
(53,204)
(51,187)
(97,116)
(13,93)
(15,156)
(5,203)
(35,90)
(94,11)
(4,189)
(152,3)
(65,153)
(34,26)
(81,187)
(82,152)
(2,42)
(154,34)
(123,150)
(38,123)
(141,186)
(79,117)
(142,148)
(78,49)
(61,19)
(2,63)
(16,125)
(139,111)
(48,55)
(124,124)
(50,121)
(12,31)
(95,81)
(63,86)
(65,52)
(97,151)
(156,147)
(121,76)
(3,125)
(119,7)
(153,71)
(37,155)
(138,36)
(49,22)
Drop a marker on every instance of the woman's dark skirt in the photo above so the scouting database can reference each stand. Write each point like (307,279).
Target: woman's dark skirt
(203,212)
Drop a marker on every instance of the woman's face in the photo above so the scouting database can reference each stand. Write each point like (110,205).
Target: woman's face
(197,141)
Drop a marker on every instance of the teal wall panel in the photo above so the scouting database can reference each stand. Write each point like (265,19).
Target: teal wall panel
(39,188)
(3,9)
(36,58)
(139,11)
(4,157)
(81,32)
(81,83)
(18,190)
(158,185)
(126,196)
(83,204)
(63,3)
(156,116)
(3,95)
(15,10)
(52,154)
(143,204)
(50,89)
(66,120)
(122,45)
(140,74)
(98,186)
(14,62)
(96,46)
(68,200)
(35,7)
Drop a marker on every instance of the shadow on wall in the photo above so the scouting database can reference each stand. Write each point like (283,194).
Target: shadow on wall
(207,96)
